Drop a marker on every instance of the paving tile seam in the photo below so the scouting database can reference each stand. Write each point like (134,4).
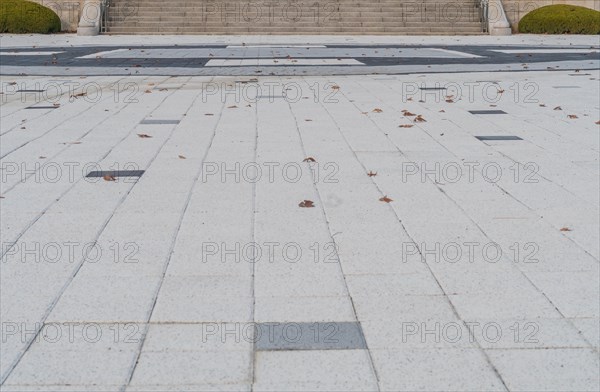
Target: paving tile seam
(173,239)
(405,229)
(531,209)
(80,264)
(65,93)
(466,214)
(333,240)
(61,195)
(67,146)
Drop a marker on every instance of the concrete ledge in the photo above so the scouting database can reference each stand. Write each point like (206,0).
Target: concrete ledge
(89,24)
(497,21)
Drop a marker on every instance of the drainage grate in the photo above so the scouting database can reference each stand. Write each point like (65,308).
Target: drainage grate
(30,91)
(42,107)
(487,112)
(433,88)
(116,173)
(269,96)
(310,336)
(499,137)
(159,122)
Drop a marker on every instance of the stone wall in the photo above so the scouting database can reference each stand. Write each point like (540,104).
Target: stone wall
(69,11)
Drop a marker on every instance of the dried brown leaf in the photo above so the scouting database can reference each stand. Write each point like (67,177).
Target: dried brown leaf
(144,135)
(565,229)
(572,116)
(109,178)
(377,110)
(309,159)
(419,118)
(306,204)
(385,199)
(371,174)
(406,126)
(558,108)
(182,157)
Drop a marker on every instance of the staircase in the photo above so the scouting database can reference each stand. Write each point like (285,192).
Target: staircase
(394,17)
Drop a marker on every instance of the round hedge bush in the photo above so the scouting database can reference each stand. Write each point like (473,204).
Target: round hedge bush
(20,17)
(561,19)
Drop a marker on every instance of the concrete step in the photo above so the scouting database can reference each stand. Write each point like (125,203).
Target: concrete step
(341,16)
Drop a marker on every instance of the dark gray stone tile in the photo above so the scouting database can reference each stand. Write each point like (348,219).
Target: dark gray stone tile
(487,112)
(499,137)
(116,173)
(310,336)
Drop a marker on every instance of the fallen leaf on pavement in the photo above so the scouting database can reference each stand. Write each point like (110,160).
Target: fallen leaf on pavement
(309,159)
(377,110)
(306,204)
(420,118)
(144,136)
(565,229)
(371,174)
(572,116)
(406,126)
(558,108)
(336,87)
(232,107)
(386,199)
(408,114)
(182,157)
(109,178)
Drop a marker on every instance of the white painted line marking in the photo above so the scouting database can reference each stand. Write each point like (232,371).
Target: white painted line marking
(457,53)
(100,54)
(274,46)
(285,62)
(28,53)
(548,51)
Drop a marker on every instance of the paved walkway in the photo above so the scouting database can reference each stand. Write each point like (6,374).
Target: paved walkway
(379,232)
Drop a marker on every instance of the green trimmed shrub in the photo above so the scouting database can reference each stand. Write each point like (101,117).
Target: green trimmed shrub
(561,19)
(21,17)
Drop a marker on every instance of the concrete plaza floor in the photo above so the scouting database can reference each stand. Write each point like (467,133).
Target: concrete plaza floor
(369,232)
